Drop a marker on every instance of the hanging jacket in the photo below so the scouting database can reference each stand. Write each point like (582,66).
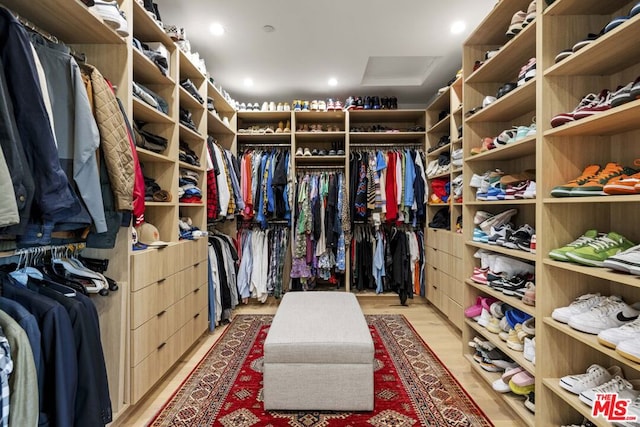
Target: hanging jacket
(138,180)
(114,140)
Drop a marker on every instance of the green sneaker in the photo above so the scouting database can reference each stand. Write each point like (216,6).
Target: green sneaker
(596,252)
(560,254)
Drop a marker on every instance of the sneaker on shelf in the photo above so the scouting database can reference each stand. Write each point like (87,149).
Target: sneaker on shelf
(614,336)
(594,253)
(627,261)
(481,216)
(480,236)
(580,305)
(630,349)
(112,16)
(530,402)
(522,383)
(529,352)
(500,386)
(590,100)
(521,238)
(613,312)
(560,254)
(529,296)
(501,232)
(497,220)
(595,186)
(565,190)
(623,388)
(624,184)
(529,192)
(516,25)
(595,376)
(480,276)
(603,104)
(532,244)
(513,340)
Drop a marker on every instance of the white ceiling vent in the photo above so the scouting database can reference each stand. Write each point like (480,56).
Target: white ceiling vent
(398,70)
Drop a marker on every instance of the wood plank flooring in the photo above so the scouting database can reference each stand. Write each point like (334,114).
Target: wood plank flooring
(440,335)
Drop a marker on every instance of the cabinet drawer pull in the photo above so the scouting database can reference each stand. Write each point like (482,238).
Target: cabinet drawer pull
(196,265)
(196,316)
(160,281)
(161,313)
(196,291)
(161,345)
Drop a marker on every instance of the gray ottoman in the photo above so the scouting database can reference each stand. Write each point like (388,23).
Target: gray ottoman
(318,354)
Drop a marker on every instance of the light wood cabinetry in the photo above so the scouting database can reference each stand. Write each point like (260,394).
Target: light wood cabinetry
(444,247)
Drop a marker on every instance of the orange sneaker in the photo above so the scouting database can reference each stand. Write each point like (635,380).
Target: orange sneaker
(595,186)
(565,189)
(625,184)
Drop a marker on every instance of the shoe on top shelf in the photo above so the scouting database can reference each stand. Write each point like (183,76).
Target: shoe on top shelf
(112,16)
(516,25)
(595,376)
(531,13)
(594,253)
(612,312)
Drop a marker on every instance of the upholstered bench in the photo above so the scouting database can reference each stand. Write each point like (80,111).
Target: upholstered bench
(318,354)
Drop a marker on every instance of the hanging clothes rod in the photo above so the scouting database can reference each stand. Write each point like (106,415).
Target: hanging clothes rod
(387,144)
(80,57)
(319,167)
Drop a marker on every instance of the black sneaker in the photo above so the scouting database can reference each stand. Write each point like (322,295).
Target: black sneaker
(521,238)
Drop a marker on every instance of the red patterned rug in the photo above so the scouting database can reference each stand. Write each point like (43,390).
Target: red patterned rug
(412,387)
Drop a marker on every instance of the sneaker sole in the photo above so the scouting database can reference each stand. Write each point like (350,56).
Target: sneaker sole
(579,192)
(607,343)
(584,261)
(620,265)
(629,356)
(558,256)
(561,192)
(585,328)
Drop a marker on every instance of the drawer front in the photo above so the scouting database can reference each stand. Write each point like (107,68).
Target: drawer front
(144,269)
(191,304)
(455,313)
(147,337)
(151,300)
(184,283)
(456,289)
(457,245)
(201,253)
(153,367)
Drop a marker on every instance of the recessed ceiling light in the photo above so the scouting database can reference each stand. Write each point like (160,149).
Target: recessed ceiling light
(268,28)
(248,82)
(333,81)
(458,27)
(216,29)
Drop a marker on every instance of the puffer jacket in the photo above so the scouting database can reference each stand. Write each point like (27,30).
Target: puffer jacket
(114,140)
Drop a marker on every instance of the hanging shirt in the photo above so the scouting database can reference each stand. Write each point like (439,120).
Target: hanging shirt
(391,188)
(224,193)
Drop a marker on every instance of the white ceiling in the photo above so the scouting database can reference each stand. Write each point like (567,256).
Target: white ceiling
(402,48)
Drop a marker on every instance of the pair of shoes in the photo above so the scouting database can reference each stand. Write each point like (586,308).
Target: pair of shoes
(593,313)
(112,16)
(593,180)
(593,249)
(527,72)
(505,89)
(589,105)
(624,339)
(300,152)
(521,19)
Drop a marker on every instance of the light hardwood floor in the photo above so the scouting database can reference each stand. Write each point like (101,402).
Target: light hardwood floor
(440,335)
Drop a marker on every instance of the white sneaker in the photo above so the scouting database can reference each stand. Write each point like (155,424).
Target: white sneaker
(112,16)
(612,337)
(481,216)
(497,220)
(627,261)
(620,386)
(581,304)
(630,349)
(595,376)
(500,386)
(511,267)
(485,318)
(529,351)
(530,191)
(612,313)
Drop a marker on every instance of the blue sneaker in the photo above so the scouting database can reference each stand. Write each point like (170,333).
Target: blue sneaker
(635,10)
(516,316)
(616,22)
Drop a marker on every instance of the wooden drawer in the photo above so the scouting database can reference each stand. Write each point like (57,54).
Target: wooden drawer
(457,245)
(150,370)
(202,251)
(456,268)
(191,304)
(456,289)
(440,239)
(434,292)
(151,265)
(151,300)
(184,283)
(146,338)
(455,313)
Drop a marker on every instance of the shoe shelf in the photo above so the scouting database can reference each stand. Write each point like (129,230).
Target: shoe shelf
(511,106)
(266,138)
(188,69)
(516,356)
(149,156)
(513,401)
(152,204)
(436,153)
(145,71)
(583,7)
(441,101)
(458,110)
(216,126)
(440,175)
(629,198)
(386,116)
(320,159)
(598,272)
(262,116)
(319,136)
(189,135)
(146,113)
(613,51)
(387,136)
(510,151)
(610,122)
(191,205)
(456,171)
(221,104)
(442,126)
(573,400)
(187,101)
(185,165)
(70,21)
(321,116)
(515,253)
(591,341)
(512,301)
(501,202)
(492,29)
(504,65)
(146,29)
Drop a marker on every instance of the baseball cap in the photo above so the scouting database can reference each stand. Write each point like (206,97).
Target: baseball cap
(149,235)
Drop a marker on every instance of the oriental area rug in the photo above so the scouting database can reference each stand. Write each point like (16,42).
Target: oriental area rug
(412,387)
